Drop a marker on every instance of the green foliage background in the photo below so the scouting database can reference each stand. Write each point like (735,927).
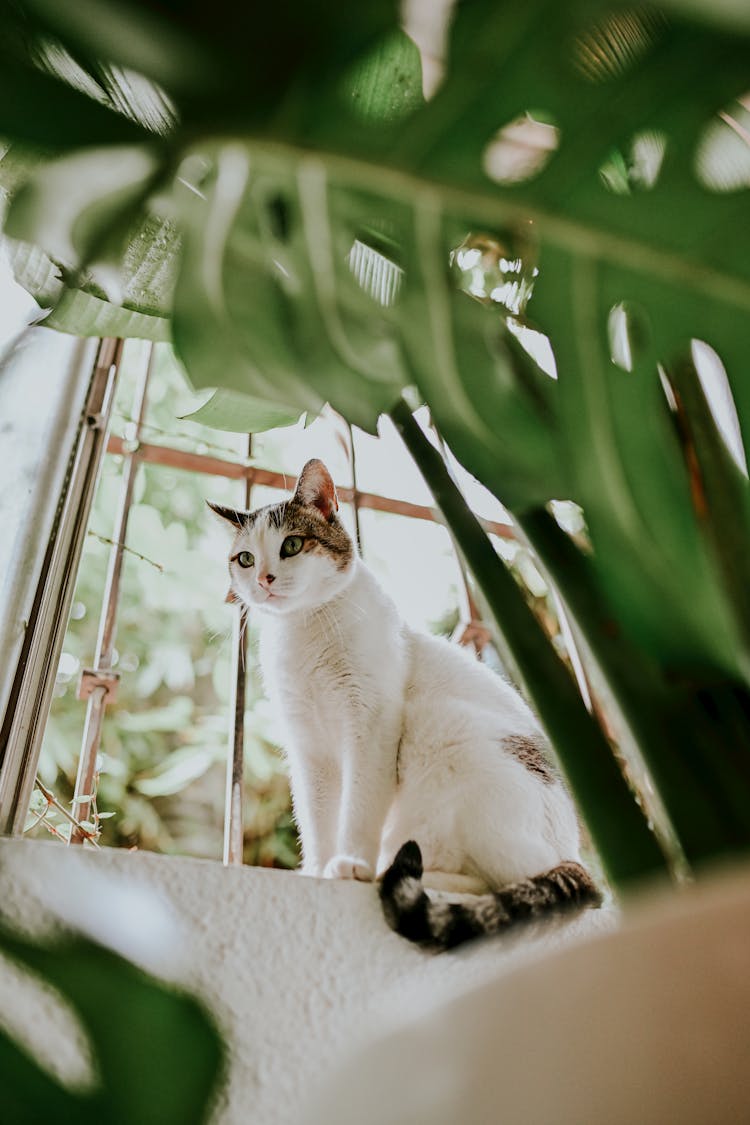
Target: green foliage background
(163,754)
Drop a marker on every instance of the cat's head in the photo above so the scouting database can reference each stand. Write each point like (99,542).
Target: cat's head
(293,555)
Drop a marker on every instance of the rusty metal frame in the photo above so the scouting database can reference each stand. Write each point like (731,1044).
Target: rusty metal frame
(235,470)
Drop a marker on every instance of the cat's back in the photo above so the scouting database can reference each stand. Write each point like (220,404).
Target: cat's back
(444,675)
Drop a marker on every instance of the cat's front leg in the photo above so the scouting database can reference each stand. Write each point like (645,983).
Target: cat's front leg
(368,776)
(316,796)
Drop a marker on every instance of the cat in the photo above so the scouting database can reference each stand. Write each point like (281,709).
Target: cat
(404,751)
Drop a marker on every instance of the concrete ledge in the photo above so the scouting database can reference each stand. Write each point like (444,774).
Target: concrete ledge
(295,968)
(648,1025)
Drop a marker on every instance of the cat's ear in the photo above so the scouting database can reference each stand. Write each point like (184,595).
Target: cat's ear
(315,489)
(231,515)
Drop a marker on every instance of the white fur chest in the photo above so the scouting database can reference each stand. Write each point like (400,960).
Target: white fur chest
(328,671)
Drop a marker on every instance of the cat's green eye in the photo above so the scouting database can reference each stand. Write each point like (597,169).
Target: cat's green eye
(292,545)
(245,559)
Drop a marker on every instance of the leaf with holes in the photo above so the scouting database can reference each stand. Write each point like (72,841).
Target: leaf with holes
(99,263)
(473,158)
(265,266)
(629,474)
(335,255)
(615,450)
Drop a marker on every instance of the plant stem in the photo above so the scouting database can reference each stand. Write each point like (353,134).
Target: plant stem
(692,732)
(52,800)
(627,846)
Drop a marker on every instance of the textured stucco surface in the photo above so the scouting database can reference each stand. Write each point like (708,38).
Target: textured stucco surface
(296,969)
(650,1025)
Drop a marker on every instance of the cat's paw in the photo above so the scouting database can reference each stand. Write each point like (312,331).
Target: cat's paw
(348,867)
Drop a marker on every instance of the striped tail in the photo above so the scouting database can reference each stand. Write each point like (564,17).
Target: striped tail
(411,912)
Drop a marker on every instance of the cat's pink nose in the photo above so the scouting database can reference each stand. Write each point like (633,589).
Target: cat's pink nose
(267,579)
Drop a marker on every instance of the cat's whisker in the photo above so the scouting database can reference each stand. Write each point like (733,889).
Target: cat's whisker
(339,630)
(330,624)
(223,636)
(335,625)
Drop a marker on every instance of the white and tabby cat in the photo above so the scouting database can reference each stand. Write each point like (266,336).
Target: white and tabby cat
(393,735)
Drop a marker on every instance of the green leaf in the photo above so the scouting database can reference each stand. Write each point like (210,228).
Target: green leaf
(472,371)
(359,68)
(157,1051)
(82,314)
(627,471)
(626,845)
(240,413)
(132,35)
(673,721)
(37,109)
(212,343)
(719,491)
(387,84)
(67,206)
(174,716)
(96,243)
(264,228)
(250,63)
(30,1095)
(726,13)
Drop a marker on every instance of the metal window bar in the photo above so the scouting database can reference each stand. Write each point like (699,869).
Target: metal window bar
(234,827)
(472,631)
(352,453)
(32,693)
(98,685)
(166,455)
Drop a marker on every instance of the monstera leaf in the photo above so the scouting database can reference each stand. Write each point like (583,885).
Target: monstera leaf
(302,224)
(157,1052)
(321,155)
(246,258)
